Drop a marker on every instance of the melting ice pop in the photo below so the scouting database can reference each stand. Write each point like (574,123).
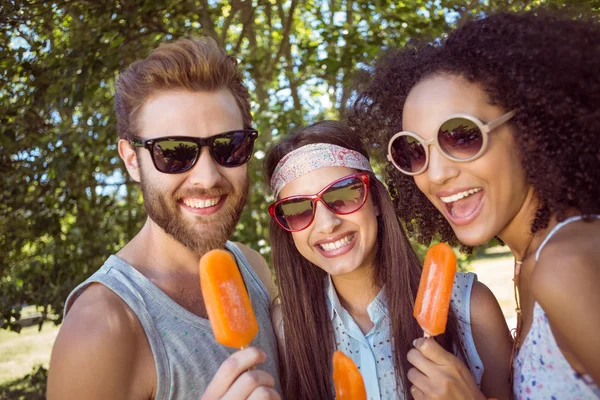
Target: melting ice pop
(226,300)
(347,380)
(435,289)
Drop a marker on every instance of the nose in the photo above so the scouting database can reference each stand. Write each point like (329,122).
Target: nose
(205,173)
(325,221)
(440,169)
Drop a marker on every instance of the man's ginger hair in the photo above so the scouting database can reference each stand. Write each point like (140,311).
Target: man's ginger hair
(197,64)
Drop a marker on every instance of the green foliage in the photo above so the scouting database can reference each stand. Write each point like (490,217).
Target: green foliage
(30,387)
(66,202)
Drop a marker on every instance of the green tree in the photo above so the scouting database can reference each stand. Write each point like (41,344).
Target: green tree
(66,202)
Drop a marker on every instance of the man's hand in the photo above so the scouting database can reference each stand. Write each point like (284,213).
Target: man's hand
(439,374)
(234,380)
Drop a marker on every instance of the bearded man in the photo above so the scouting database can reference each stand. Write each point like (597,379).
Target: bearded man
(138,327)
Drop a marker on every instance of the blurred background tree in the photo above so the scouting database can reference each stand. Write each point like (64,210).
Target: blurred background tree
(66,202)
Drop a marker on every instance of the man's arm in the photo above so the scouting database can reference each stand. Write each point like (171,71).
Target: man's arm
(100,352)
(260,266)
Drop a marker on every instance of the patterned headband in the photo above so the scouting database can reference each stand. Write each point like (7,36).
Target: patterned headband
(314,156)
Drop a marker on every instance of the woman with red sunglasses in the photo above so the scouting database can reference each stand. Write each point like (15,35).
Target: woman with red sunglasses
(493,132)
(348,277)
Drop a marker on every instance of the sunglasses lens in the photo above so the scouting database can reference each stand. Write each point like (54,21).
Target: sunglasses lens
(346,196)
(174,156)
(460,138)
(233,149)
(408,153)
(294,214)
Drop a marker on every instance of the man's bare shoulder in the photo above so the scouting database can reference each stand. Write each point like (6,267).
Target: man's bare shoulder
(260,266)
(100,341)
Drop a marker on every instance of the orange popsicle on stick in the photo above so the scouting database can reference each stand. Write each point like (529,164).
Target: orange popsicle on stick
(347,380)
(435,289)
(226,300)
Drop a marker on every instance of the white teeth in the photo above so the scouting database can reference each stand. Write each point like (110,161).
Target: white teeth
(460,195)
(337,244)
(198,203)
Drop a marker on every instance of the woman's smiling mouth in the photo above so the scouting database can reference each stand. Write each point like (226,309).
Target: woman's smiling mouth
(462,207)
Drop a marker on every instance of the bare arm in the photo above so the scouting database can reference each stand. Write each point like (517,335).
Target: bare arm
(97,351)
(438,374)
(492,340)
(565,283)
(260,267)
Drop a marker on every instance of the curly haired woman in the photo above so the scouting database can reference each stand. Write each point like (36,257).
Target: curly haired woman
(493,132)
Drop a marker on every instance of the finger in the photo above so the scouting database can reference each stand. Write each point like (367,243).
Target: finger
(433,351)
(418,379)
(264,393)
(230,369)
(416,393)
(422,363)
(247,383)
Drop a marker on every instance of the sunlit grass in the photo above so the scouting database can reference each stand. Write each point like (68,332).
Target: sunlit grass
(19,352)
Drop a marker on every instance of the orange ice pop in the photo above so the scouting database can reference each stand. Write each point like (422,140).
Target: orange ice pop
(347,380)
(226,300)
(435,289)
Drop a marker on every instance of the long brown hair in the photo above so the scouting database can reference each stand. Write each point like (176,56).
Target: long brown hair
(309,340)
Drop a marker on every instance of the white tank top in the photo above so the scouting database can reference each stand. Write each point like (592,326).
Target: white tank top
(540,369)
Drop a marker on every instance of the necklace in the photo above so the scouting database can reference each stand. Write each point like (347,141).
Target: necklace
(516,332)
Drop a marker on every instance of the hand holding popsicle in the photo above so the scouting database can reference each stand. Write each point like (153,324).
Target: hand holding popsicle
(435,289)
(438,374)
(234,381)
(347,380)
(234,325)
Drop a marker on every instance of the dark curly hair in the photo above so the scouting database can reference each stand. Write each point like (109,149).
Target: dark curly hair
(545,66)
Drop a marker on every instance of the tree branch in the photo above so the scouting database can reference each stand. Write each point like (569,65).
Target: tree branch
(269,22)
(346,61)
(232,13)
(285,41)
(292,79)
(207,23)
(246,25)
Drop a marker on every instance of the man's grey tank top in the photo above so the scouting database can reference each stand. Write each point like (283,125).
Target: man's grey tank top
(184,348)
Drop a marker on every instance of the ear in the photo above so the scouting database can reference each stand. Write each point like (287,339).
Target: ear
(129,157)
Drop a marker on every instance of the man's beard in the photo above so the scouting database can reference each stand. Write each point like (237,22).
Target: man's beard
(218,228)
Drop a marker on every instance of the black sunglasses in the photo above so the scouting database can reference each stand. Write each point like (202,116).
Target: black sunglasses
(178,154)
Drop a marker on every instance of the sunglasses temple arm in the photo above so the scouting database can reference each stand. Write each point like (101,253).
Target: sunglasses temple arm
(506,117)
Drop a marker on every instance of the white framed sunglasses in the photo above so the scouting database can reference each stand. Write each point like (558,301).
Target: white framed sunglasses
(460,138)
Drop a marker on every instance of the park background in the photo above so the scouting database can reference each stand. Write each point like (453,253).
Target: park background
(66,202)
